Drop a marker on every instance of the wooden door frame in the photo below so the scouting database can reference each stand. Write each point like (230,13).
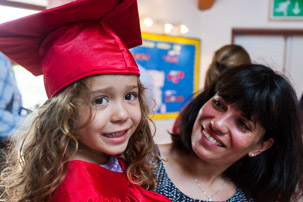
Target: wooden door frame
(264,32)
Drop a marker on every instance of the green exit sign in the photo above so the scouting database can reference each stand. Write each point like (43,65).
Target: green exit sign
(287,9)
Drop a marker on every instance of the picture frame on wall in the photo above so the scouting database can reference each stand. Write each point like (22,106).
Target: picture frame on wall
(286,10)
(169,67)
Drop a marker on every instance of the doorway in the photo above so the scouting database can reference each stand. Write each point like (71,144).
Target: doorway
(278,48)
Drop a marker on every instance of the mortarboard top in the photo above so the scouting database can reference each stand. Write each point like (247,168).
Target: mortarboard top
(75,40)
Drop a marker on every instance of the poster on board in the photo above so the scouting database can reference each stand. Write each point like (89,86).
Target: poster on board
(169,69)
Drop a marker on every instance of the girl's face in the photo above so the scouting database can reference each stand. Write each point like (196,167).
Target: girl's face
(116,113)
(222,134)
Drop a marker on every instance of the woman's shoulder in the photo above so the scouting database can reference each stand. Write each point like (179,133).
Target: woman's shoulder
(164,150)
(166,187)
(239,196)
(164,184)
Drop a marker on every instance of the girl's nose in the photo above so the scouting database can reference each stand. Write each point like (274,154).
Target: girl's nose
(119,113)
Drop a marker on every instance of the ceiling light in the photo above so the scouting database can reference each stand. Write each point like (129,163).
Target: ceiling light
(148,22)
(168,27)
(183,29)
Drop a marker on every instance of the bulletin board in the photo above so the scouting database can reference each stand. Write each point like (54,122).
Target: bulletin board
(169,68)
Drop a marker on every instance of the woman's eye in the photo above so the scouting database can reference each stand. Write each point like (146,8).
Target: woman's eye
(131,96)
(100,101)
(243,125)
(217,104)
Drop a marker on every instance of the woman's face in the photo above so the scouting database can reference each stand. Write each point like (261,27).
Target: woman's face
(116,113)
(222,134)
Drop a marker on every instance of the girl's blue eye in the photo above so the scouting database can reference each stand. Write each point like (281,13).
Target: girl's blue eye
(130,96)
(100,101)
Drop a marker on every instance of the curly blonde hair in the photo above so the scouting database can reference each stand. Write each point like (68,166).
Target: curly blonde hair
(36,163)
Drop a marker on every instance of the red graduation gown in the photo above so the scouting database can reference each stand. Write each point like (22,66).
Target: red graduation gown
(90,182)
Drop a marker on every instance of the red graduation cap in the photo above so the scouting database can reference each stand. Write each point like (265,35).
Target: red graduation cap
(75,40)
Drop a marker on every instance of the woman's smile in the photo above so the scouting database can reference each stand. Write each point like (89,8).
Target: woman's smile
(211,138)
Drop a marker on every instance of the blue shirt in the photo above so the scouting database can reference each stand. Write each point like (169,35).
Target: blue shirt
(9,119)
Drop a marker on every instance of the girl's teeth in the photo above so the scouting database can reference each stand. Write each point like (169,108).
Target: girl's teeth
(112,135)
(211,139)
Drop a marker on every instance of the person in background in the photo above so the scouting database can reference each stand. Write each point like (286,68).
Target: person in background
(91,140)
(226,57)
(10,101)
(240,140)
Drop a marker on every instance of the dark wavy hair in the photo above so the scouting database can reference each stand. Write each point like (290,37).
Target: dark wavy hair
(268,97)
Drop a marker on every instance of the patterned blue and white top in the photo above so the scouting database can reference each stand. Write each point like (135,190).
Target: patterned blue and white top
(166,187)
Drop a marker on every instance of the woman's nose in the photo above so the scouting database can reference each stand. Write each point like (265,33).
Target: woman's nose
(220,124)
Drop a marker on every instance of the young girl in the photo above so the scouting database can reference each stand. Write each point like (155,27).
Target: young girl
(91,139)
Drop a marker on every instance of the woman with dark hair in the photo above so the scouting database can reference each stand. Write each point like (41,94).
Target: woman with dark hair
(239,140)
(226,57)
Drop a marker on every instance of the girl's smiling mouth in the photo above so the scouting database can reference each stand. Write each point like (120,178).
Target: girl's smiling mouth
(115,134)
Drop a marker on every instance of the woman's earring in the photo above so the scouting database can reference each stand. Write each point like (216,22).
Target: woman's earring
(252,155)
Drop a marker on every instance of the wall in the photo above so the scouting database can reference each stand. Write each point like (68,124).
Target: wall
(174,11)
(10,13)
(212,26)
